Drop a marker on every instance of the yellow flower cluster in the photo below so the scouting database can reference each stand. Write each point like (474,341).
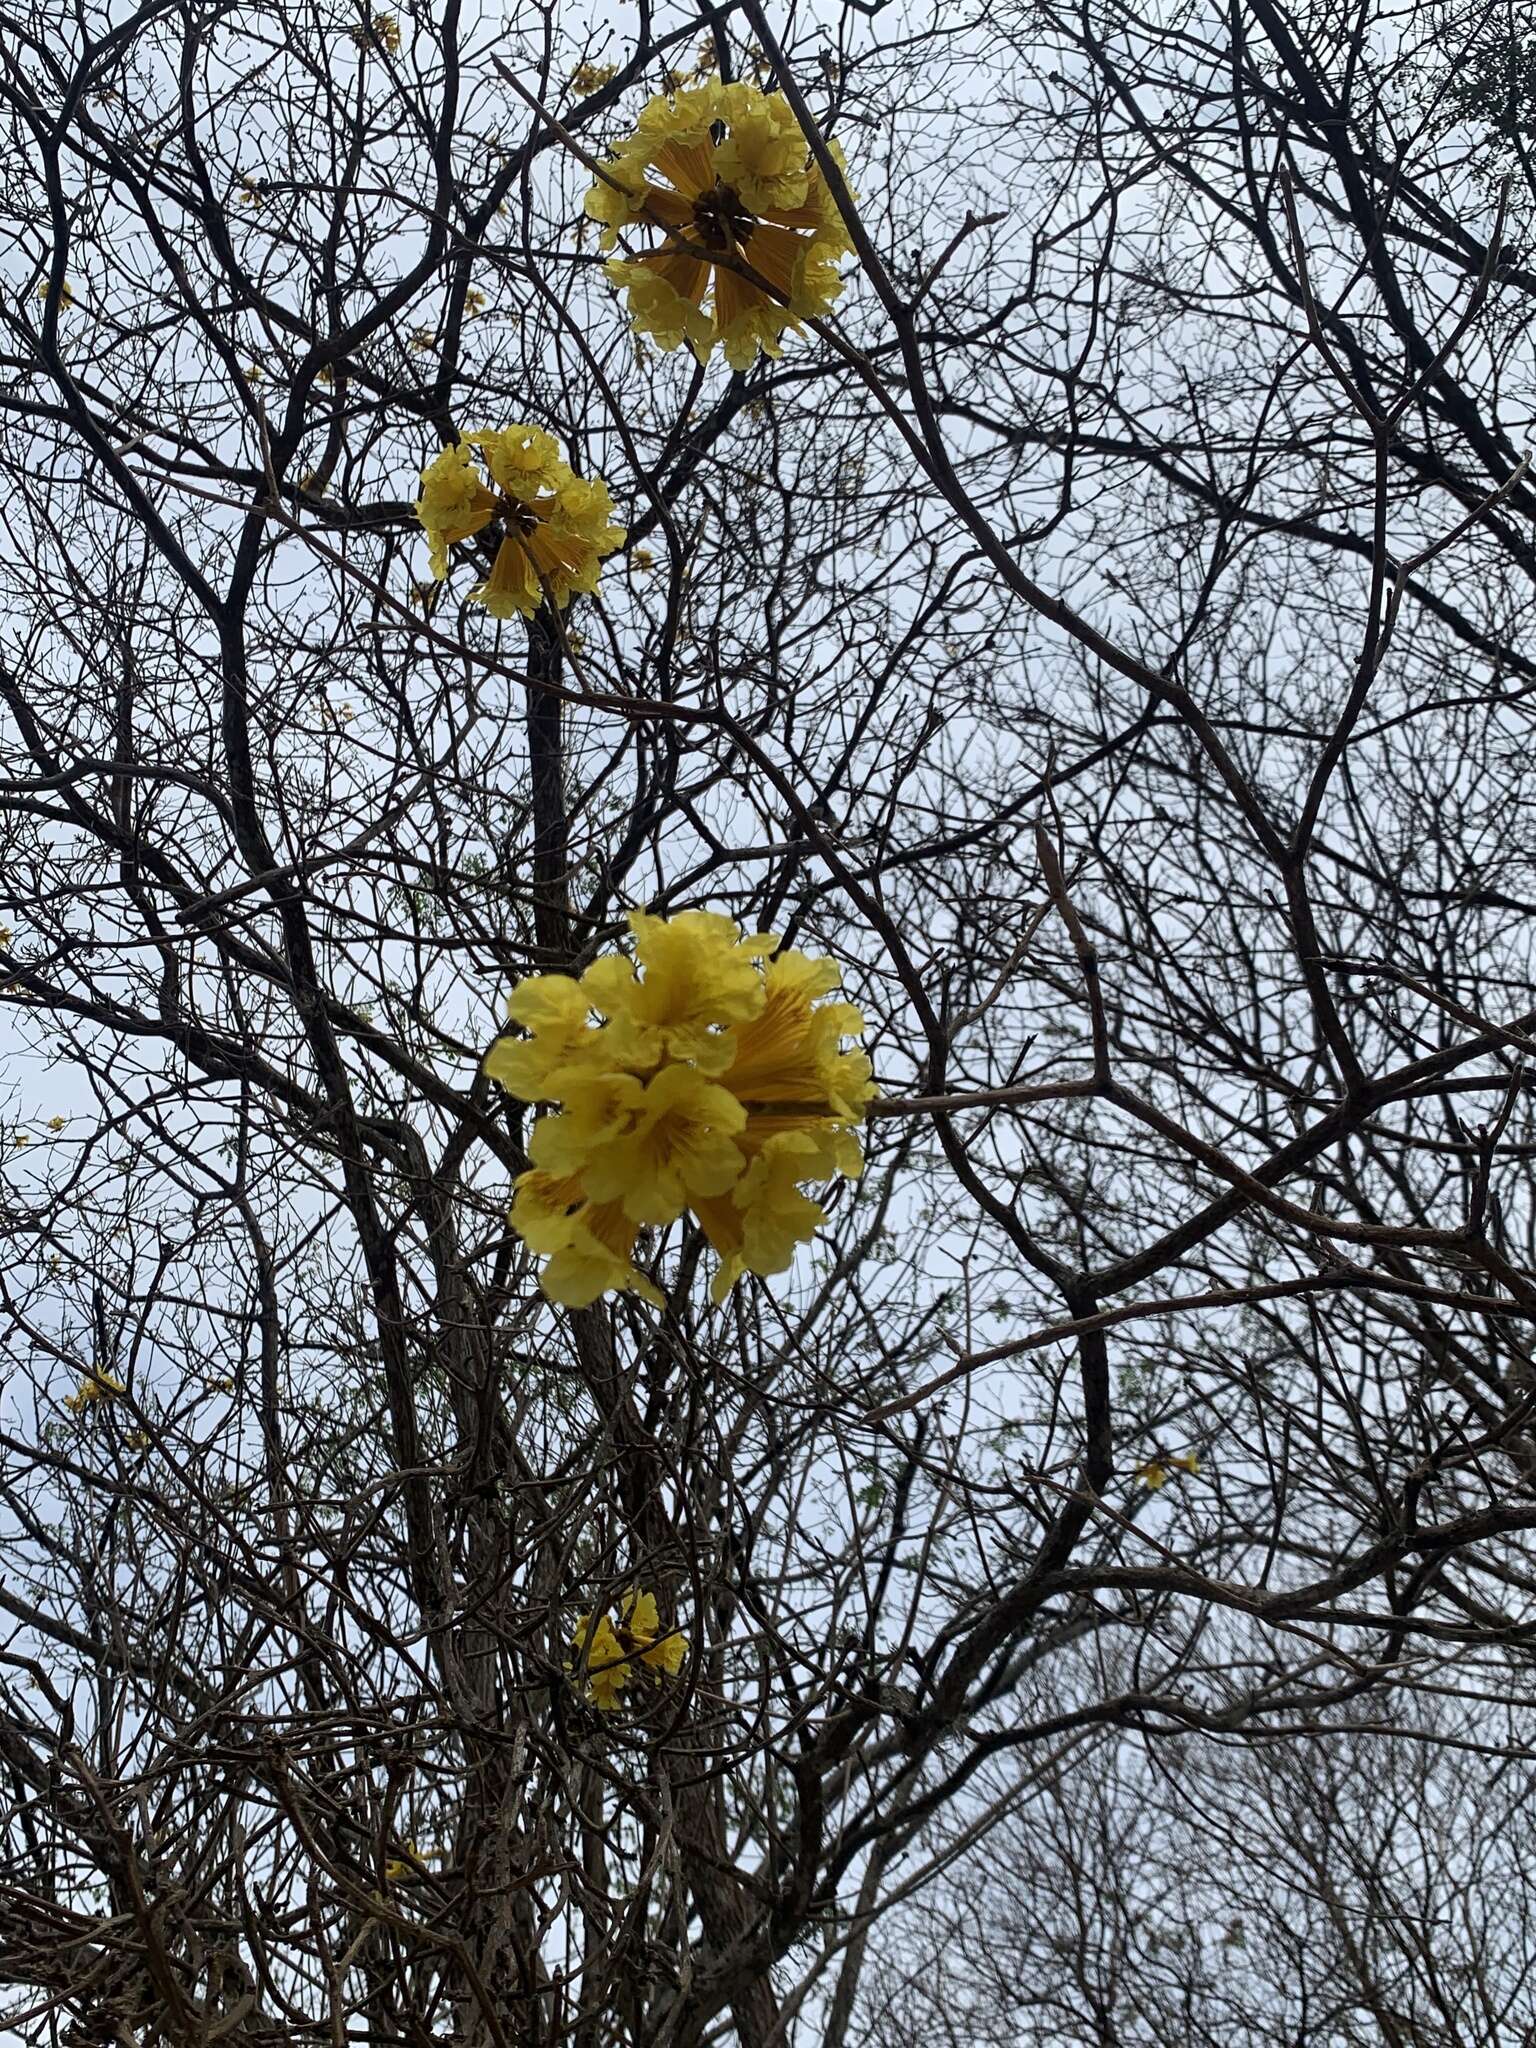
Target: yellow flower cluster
(715,1081)
(97,1386)
(383,29)
(406,1866)
(589,78)
(611,1655)
(1156,1472)
(746,218)
(555,528)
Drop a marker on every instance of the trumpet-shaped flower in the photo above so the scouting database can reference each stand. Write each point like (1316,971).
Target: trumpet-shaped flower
(525,462)
(590,1244)
(750,234)
(699,978)
(789,1053)
(454,502)
(599,1111)
(676,1146)
(613,1655)
(599,1260)
(767,1216)
(601,1655)
(555,1011)
(641,1630)
(554,527)
(715,1081)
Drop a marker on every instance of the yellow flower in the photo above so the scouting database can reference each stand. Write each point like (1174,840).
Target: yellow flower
(554,525)
(555,1011)
(641,1632)
(601,1656)
(789,1052)
(699,978)
(474,302)
(523,461)
(704,1075)
(746,220)
(454,502)
(66,295)
(96,1386)
(548,1210)
(21,1138)
(55,1123)
(598,1260)
(589,78)
(1157,1471)
(652,1146)
(384,29)
(6,935)
(766,1218)
(424,338)
(615,1656)
(600,1107)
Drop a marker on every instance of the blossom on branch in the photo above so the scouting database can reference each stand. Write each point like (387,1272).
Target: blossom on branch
(612,1655)
(553,525)
(95,1386)
(706,1074)
(746,220)
(382,29)
(589,78)
(1156,1472)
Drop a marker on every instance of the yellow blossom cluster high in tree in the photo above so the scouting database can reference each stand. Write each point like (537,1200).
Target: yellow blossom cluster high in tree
(555,526)
(1155,1472)
(748,223)
(95,1386)
(612,1655)
(714,1080)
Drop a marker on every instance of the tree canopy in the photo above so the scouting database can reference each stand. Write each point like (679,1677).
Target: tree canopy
(1000,1509)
